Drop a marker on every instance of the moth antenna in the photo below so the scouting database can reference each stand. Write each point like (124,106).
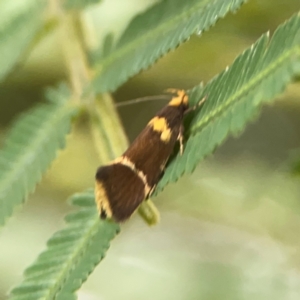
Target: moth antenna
(172,90)
(143,99)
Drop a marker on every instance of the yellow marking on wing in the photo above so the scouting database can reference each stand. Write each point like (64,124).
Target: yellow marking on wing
(166,135)
(160,125)
(102,200)
(125,161)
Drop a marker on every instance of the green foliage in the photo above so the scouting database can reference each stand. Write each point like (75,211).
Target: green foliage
(234,96)
(154,33)
(296,169)
(71,255)
(79,4)
(20,21)
(30,147)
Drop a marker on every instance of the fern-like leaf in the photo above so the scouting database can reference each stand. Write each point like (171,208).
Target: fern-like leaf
(71,255)
(19,23)
(79,4)
(30,147)
(234,96)
(155,32)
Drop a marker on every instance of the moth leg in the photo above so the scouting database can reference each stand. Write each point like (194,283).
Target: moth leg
(162,168)
(180,139)
(172,90)
(194,107)
(152,190)
(103,214)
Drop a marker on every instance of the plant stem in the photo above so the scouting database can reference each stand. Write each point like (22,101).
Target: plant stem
(107,130)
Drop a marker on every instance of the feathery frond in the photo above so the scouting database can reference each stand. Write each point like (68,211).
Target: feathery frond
(30,147)
(235,95)
(152,34)
(19,23)
(71,255)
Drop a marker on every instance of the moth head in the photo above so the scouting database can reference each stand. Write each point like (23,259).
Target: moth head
(181,100)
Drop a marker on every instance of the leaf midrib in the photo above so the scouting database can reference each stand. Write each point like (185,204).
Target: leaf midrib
(247,86)
(14,172)
(61,276)
(161,28)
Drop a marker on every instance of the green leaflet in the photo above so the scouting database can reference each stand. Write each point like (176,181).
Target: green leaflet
(71,254)
(20,21)
(234,96)
(30,148)
(155,32)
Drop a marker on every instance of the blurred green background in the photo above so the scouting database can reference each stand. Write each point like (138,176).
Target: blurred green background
(228,231)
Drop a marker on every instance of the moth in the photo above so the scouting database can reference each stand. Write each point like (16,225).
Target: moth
(124,183)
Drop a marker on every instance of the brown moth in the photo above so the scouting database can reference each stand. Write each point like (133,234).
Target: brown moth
(124,183)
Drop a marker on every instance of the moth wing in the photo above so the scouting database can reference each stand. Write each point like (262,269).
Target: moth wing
(119,191)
